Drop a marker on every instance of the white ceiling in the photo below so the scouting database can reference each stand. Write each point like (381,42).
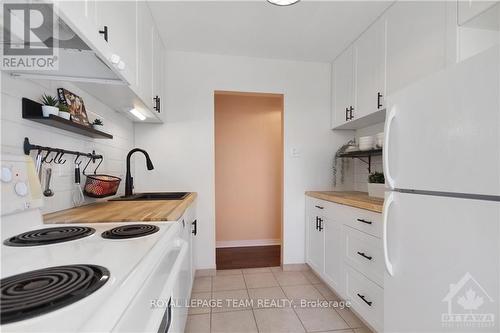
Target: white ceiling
(309,30)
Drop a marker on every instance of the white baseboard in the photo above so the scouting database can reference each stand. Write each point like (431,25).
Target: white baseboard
(249,242)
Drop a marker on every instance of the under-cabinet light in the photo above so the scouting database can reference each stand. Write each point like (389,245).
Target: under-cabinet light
(137,114)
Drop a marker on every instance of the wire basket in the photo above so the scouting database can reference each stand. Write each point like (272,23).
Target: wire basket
(101,186)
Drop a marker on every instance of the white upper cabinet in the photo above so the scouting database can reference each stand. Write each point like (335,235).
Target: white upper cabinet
(145,30)
(117,25)
(343,88)
(369,53)
(158,71)
(469,9)
(416,41)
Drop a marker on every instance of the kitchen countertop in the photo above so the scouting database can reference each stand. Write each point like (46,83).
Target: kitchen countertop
(350,198)
(123,211)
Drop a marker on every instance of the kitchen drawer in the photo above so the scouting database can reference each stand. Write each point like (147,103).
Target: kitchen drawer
(317,206)
(364,252)
(358,287)
(360,219)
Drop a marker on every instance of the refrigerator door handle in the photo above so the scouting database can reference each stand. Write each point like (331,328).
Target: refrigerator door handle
(387,130)
(387,206)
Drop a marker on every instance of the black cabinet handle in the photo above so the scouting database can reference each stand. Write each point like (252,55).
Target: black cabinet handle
(317,223)
(363,298)
(365,256)
(379,100)
(319,207)
(350,113)
(104,32)
(156,106)
(195,227)
(364,221)
(320,224)
(346,114)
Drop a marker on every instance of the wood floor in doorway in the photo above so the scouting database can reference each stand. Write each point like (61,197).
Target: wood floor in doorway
(248,257)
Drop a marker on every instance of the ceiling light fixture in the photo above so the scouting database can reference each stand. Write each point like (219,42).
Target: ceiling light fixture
(137,114)
(283,2)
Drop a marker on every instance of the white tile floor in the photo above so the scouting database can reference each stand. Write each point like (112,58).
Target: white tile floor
(247,289)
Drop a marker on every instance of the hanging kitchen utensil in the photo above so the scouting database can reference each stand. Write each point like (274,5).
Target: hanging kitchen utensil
(38,164)
(48,192)
(78,197)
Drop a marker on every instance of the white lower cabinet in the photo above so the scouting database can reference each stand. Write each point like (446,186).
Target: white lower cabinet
(315,236)
(366,297)
(345,249)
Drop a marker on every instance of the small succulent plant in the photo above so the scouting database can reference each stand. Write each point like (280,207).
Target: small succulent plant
(63,107)
(49,100)
(97,122)
(376,178)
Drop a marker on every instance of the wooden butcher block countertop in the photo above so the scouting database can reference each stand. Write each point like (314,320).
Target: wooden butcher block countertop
(123,211)
(350,198)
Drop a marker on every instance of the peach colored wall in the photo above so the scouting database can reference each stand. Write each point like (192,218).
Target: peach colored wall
(248,166)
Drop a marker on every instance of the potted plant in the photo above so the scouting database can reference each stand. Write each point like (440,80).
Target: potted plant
(64,111)
(376,184)
(49,105)
(96,123)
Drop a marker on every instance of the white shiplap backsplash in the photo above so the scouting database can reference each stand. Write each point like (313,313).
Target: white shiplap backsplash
(360,168)
(15,129)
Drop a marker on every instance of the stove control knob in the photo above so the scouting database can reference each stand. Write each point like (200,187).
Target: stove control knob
(21,189)
(6,175)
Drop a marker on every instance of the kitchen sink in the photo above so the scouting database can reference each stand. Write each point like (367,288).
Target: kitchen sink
(153,196)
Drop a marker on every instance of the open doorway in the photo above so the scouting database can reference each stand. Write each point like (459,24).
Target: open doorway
(248,179)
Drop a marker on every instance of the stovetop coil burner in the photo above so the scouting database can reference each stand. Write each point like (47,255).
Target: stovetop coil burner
(49,236)
(34,293)
(130,231)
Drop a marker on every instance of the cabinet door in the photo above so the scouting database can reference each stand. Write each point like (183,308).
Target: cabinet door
(145,32)
(333,253)
(343,82)
(158,71)
(369,52)
(468,9)
(316,245)
(120,20)
(80,13)
(416,41)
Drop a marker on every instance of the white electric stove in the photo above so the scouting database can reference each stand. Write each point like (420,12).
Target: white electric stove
(99,277)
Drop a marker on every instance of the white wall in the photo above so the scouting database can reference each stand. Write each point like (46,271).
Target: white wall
(182,149)
(14,128)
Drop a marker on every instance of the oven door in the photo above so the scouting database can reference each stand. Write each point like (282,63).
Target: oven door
(155,308)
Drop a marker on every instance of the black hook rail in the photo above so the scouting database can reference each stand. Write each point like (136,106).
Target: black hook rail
(29,147)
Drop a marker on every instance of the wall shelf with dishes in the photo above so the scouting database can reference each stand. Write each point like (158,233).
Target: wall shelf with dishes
(33,111)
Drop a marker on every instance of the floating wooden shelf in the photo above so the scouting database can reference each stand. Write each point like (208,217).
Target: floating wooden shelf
(33,111)
(360,154)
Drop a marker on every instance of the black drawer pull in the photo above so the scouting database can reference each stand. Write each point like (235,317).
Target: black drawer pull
(364,221)
(365,256)
(195,227)
(319,207)
(363,298)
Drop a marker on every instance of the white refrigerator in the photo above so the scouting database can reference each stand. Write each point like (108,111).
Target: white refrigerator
(441,218)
